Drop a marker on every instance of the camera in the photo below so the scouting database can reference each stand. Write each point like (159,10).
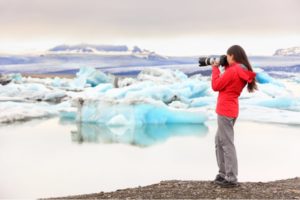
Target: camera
(204,61)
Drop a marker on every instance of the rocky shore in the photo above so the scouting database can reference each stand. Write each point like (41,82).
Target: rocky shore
(282,189)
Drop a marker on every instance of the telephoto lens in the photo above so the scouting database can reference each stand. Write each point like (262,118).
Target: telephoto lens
(205,61)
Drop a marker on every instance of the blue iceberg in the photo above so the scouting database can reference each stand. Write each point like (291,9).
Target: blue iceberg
(90,76)
(280,103)
(263,78)
(136,113)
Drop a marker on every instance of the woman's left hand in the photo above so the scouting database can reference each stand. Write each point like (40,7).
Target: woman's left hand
(215,63)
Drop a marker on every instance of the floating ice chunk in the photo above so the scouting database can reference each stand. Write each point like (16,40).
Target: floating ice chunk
(282,102)
(93,92)
(97,92)
(15,111)
(137,112)
(158,75)
(203,101)
(126,82)
(160,92)
(190,88)
(31,91)
(273,96)
(54,96)
(22,111)
(119,93)
(269,115)
(263,78)
(60,82)
(178,104)
(16,77)
(79,83)
(166,92)
(273,90)
(91,76)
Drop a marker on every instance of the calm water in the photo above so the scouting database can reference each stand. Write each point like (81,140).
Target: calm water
(44,158)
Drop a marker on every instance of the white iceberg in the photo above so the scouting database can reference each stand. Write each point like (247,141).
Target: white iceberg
(269,115)
(158,75)
(15,111)
(23,111)
(31,91)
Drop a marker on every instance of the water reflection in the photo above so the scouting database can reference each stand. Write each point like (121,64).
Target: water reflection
(139,136)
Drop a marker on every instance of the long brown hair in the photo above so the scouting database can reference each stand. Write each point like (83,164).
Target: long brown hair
(240,56)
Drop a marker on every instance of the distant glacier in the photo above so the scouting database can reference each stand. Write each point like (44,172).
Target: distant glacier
(124,61)
(292,51)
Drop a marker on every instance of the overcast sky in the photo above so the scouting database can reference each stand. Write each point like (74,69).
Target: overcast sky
(169,27)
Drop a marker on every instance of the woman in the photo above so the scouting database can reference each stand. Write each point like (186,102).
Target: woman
(238,73)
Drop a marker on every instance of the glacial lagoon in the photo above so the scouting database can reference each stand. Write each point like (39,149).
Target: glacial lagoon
(50,157)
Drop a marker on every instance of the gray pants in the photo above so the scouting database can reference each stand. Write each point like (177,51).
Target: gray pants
(225,149)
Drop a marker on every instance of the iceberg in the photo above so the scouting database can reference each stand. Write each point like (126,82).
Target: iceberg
(203,101)
(158,75)
(16,77)
(269,115)
(190,88)
(32,91)
(263,78)
(281,103)
(59,82)
(284,103)
(23,111)
(136,113)
(92,76)
(160,84)
(16,111)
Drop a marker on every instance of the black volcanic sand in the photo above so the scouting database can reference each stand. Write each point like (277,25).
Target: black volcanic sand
(282,189)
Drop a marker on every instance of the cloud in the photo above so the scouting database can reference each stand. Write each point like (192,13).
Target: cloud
(144,19)
(177,27)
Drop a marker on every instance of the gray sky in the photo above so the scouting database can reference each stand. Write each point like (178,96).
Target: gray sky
(170,27)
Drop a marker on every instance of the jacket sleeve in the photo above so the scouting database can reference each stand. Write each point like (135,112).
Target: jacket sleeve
(219,82)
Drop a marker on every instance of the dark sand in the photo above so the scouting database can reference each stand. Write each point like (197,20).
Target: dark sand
(282,189)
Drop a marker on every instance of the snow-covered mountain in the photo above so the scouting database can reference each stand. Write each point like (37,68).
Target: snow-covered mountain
(105,50)
(293,51)
(88,48)
(72,57)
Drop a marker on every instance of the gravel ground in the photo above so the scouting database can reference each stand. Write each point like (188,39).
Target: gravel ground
(282,189)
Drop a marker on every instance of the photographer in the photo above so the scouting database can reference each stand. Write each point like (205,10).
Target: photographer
(238,73)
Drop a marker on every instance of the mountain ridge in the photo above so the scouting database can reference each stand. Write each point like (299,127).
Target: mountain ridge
(292,51)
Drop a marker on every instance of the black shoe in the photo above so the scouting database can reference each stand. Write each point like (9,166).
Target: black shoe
(228,184)
(219,179)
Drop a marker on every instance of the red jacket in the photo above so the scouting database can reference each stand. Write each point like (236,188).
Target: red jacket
(230,85)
